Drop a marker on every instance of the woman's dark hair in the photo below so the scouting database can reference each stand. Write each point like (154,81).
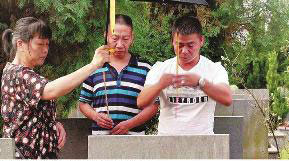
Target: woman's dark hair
(25,29)
(123,20)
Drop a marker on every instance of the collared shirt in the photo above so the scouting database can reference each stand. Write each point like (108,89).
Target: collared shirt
(122,90)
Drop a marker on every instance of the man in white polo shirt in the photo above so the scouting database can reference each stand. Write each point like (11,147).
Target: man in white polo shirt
(188,92)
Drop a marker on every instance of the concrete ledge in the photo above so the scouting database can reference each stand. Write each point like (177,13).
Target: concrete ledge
(281,138)
(273,153)
(159,147)
(232,125)
(7,148)
(243,94)
(255,133)
(77,131)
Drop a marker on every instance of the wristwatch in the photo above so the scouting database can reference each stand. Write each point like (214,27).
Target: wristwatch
(202,82)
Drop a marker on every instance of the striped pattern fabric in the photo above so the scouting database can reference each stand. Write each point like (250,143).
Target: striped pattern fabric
(122,91)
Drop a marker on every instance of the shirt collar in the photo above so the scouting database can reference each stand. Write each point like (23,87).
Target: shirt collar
(133,61)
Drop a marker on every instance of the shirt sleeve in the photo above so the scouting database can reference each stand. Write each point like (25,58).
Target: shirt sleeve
(34,87)
(86,92)
(221,75)
(154,74)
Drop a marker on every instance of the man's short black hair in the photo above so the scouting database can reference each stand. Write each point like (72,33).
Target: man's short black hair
(187,25)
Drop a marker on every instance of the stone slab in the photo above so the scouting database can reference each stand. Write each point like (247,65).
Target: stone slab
(281,137)
(255,133)
(159,147)
(232,125)
(77,131)
(7,148)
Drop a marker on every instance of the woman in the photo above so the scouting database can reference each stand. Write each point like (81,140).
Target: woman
(28,106)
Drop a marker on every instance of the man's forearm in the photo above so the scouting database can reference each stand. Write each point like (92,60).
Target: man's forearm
(145,115)
(87,110)
(148,95)
(219,92)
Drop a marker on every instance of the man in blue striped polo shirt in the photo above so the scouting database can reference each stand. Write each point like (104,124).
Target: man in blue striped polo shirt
(114,88)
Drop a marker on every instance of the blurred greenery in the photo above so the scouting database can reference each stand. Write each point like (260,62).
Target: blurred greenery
(284,154)
(250,38)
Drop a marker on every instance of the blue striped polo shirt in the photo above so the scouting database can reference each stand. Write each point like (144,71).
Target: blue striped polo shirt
(122,90)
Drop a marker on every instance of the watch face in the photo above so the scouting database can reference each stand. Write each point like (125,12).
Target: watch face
(202,82)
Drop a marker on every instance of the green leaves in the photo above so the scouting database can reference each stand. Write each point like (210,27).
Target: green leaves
(272,75)
(250,38)
(277,87)
(67,18)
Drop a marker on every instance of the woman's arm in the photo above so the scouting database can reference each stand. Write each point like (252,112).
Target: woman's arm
(66,84)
